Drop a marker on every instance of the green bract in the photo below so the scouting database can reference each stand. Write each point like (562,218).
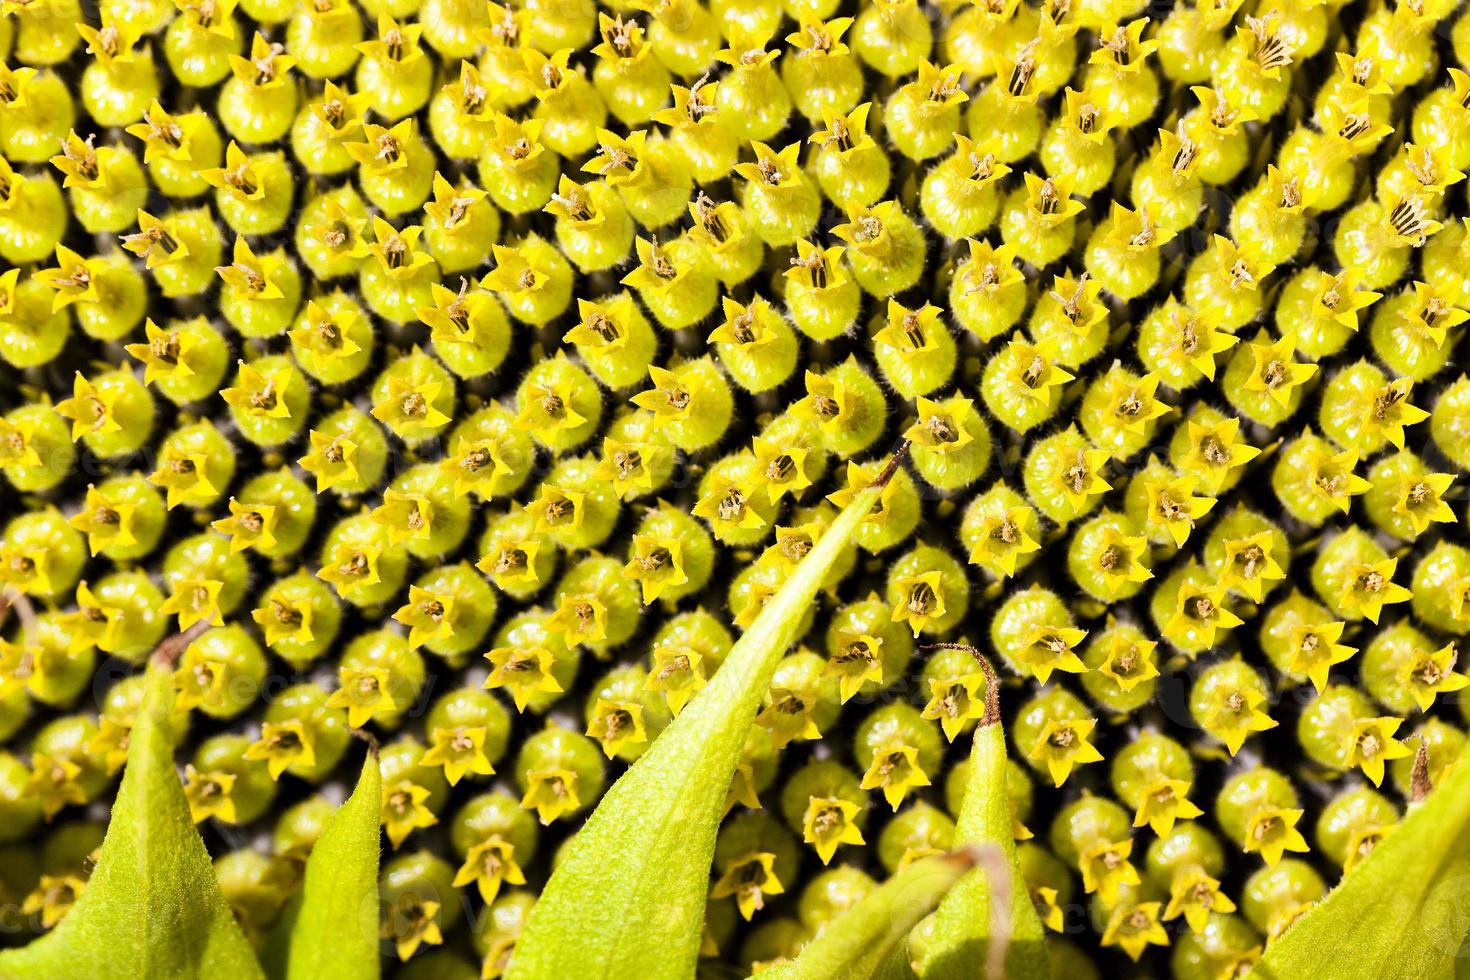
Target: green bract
(628,898)
(152,907)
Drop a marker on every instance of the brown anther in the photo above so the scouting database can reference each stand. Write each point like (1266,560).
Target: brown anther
(921,599)
(627,462)
(284,614)
(656,559)
(1235,702)
(826,407)
(1031,374)
(1185,156)
(165,347)
(941,428)
(732,505)
(1024,71)
(796,546)
(252,522)
(1111,558)
(414,405)
(1409,219)
(676,664)
(509,559)
(82,156)
(1204,608)
(1006,531)
(1240,274)
(265,399)
(356,564)
(1063,738)
(1047,199)
(1271,50)
(742,327)
(560,511)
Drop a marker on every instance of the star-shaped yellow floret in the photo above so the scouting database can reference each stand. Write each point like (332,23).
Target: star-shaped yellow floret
(955,702)
(1063,745)
(194,600)
(727,507)
(1199,614)
(552,793)
(1128,662)
(657,564)
(616,723)
(477,465)
(895,769)
(1173,504)
(669,399)
(1106,869)
(199,679)
(1420,500)
(1050,648)
(1001,539)
(350,571)
(405,516)
(1315,650)
(106,521)
(261,394)
(210,794)
(1135,928)
(332,460)
(677,673)
(408,408)
(90,408)
(1370,744)
(751,879)
(1195,895)
(250,525)
(1271,831)
(856,659)
(53,897)
(1248,565)
(828,823)
(429,615)
(1275,372)
(55,782)
(459,751)
(525,671)
(282,745)
(1165,801)
(512,562)
(1370,587)
(921,600)
(489,864)
(1235,713)
(579,619)
(404,809)
(1426,675)
(364,692)
(940,427)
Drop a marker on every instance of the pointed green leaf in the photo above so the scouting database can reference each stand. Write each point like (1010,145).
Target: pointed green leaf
(334,932)
(971,929)
(628,900)
(857,944)
(1402,911)
(152,907)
